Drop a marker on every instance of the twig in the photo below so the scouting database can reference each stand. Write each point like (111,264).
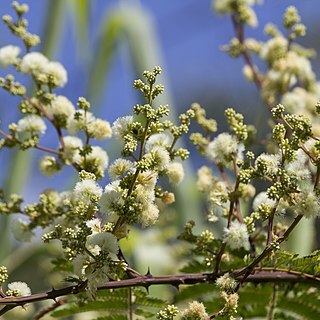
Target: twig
(45,311)
(258,276)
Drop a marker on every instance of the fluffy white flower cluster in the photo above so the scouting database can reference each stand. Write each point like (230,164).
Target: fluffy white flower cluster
(87,191)
(157,140)
(121,126)
(113,199)
(61,106)
(227,6)
(224,148)
(97,159)
(84,120)
(236,236)
(226,283)
(18,288)
(31,123)
(9,55)
(195,310)
(43,70)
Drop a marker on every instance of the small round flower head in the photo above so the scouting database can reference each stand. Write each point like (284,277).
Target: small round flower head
(297,168)
(100,129)
(61,106)
(104,241)
(18,289)
(175,172)
(20,230)
(168,313)
(72,145)
(268,164)
(144,196)
(236,236)
(195,311)
(94,225)
(231,301)
(31,123)
(87,191)
(48,165)
(159,139)
(57,74)
(223,148)
(122,126)
(34,63)
(308,204)
(119,167)
(168,197)
(274,49)
(147,179)
(260,199)
(205,179)
(97,159)
(226,283)
(149,215)
(161,157)
(110,196)
(9,55)
(79,120)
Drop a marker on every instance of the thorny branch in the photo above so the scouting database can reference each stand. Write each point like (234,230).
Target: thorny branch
(257,275)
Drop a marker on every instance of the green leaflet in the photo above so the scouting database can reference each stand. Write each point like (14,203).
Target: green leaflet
(197,291)
(115,304)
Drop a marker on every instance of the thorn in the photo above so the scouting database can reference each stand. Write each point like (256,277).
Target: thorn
(146,286)
(176,285)
(148,274)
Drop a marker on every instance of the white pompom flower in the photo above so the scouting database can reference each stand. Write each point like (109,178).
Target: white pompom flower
(149,215)
(223,148)
(57,74)
(87,191)
(18,288)
(34,63)
(100,129)
(102,241)
(122,126)
(159,139)
(236,236)
(9,55)
(175,172)
(61,106)
(119,167)
(79,120)
(31,123)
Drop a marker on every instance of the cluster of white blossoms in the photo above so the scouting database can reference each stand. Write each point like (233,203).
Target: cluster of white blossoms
(248,14)
(224,149)
(268,164)
(84,120)
(236,236)
(9,55)
(61,106)
(18,288)
(31,123)
(87,191)
(226,283)
(195,311)
(121,127)
(47,72)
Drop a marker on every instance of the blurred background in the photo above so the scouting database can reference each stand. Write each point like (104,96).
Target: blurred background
(105,45)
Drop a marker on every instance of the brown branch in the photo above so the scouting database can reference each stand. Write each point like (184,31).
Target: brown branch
(259,275)
(11,138)
(51,308)
(239,31)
